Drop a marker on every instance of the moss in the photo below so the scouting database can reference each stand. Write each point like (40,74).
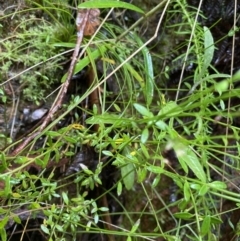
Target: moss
(31,42)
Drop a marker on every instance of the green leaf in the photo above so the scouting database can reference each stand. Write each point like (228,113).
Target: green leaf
(107,118)
(128,171)
(169,110)
(104,209)
(70,139)
(222,104)
(134,73)
(215,220)
(3,222)
(145,135)
(186,190)
(148,67)
(129,238)
(144,151)
(59,227)
(149,76)
(65,198)
(46,159)
(45,229)
(206,225)
(187,156)
(183,215)
(88,225)
(85,169)
(109,4)
(3,234)
(21,160)
(96,218)
(209,48)
(135,226)
(161,125)
(218,185)
(195,186)
(142,173)
(222,86)
(143,110)
(3,162)
(156,181)
(86,61)
(107,153)
(236,76)
(53,133)
(119,188)
(7,188)
(17,219)
(203,190)
(155,169)
(182,204)
(128,175)
(233,31)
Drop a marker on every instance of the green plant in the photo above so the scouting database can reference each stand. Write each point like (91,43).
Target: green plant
(29,52)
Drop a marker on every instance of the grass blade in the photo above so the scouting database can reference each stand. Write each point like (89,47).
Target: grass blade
(109,4)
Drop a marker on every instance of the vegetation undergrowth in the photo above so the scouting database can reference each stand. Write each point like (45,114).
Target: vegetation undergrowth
(155,158)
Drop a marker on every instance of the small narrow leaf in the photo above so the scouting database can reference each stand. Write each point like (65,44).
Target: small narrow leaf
(142,173)
(145,135)
(187,156)
(203,190)
(209,48)
(128,175)
(96,218)
(144,151)
(206,225)
(119,188)
(186,190)
(129,238)
(183,215)
(170,109)
(3,234)
(85,169)
(104,209)
(148,66)
(156,181)
(222,86)
(107,153)
(17,219)
(65,198)
(85,61)
(143,110)
(109,4)
(155,169)
(218,185)
(135,226)
(45,229)
(3,222)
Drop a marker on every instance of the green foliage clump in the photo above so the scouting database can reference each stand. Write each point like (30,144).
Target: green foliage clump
(29,52)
